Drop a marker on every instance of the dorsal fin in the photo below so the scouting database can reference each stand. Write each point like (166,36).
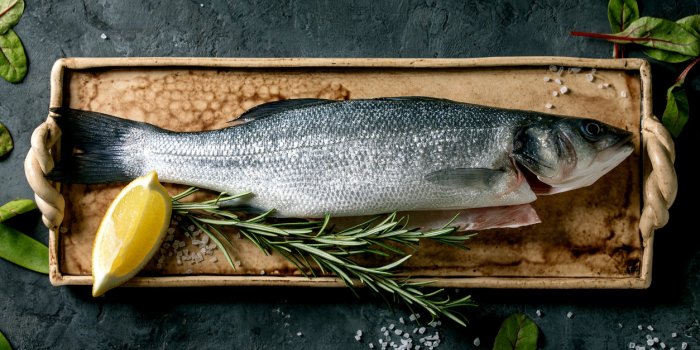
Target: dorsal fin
(269,108)
(415,98)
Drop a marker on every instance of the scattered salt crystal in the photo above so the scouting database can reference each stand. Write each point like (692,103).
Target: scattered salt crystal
(558,81)
(358,338)
(213,259)
(190,228)
(406,335)
(538,313)
(600,86)
(684,345)
(417,347)
(548,106)
(386,333)
(648,336)
(417,316)
(560,71)
(632,346)
(398,332)
(299,334)
(662,345)
(593,70)
(640,327)
(262,272)
(421,330)
(371,345)
(553,68)
(415,330)
(391,326)
(205,239)
(674,334)
(650,341)
(412,317)
(547,79)
(590,77)
(649,327)
(103,36)
(623,94)
(383,329)
(188,271)
(569,314)
(439,323)
(656,339)
(619,325)
(574,70)
(672,348)
(477,341)
(563,89)
(401,320)
(555,93)
(428,343)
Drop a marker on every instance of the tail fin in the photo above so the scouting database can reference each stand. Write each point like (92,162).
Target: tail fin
(98,148)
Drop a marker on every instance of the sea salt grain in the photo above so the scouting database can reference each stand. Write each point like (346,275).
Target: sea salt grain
(590,77)
(555,93)
(649,327)
(421,330)
(674,334)
(548,106)
(547,79)
(477,342)
(398,332)
(650,342)
(391,326)
(632,346)
(103,36)
(412,317)
(684,345)
(371,345)
(299,334)
(553,68)
(662,345)
(569,314)
(563,89)
(558,81)
(623,94)
(401,320)
(640,327)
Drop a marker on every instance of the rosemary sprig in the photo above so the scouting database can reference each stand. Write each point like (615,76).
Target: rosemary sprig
(314,246)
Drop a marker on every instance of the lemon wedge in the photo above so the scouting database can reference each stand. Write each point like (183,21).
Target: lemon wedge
(130,233)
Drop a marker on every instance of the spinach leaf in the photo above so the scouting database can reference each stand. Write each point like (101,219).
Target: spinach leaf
(6,144)
(691,24)
(16,207)
(4,344)
(10,12)
(621,13)
(517,332)
(677,109)
(13,60)
(23,250)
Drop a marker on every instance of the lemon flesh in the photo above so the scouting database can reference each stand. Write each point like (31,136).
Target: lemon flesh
(130,233)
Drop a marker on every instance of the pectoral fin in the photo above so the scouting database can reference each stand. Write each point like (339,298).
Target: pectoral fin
(481,178)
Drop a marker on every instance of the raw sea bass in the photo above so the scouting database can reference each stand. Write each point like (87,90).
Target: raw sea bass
(308,157)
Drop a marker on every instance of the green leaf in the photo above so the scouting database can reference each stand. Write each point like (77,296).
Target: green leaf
(23,250)
(691,24)
(10,12)
(621,13)
(13,60)
(16,207)
(677,109)
(666,56)
(656,33)
(6,144)
(4,344)
(517,332)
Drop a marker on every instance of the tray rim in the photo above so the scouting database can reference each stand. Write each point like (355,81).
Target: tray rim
(643,280)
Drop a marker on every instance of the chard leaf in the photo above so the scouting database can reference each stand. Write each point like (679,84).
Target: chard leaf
(4,344)
(666,56)
(656,33)
(13,60)
(6,144)
(23,250)
(16,207)
(621,13)
(10,12)
(691,24)
(676,112)
(517,332)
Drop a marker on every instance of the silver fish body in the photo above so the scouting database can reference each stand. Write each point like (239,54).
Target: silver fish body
(308,158)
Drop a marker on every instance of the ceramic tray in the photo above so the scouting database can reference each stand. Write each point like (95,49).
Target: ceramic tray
(596,237)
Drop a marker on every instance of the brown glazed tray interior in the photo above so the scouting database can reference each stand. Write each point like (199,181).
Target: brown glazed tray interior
(589,236)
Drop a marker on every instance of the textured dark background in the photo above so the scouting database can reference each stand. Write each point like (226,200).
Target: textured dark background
(33,314)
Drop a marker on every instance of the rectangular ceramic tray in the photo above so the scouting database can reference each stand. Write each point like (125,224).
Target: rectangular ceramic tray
(588,238)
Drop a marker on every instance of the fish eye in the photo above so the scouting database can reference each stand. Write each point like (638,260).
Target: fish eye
(591,130)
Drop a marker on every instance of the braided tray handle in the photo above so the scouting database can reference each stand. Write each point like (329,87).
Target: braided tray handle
(40,162)
(660,187)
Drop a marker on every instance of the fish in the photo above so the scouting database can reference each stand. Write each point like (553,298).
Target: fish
(312,157)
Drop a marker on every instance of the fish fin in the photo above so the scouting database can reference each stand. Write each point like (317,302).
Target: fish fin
(415,98)
(270,108)
(465,177)
(95,147)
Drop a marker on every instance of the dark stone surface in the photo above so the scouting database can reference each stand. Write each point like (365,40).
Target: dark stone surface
(33,314)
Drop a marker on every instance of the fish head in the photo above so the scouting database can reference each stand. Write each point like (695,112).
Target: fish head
(570,153)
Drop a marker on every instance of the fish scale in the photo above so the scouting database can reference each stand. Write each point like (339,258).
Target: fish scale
(308,158)
(351,158)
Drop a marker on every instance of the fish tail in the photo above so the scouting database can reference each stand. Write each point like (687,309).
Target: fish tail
(98,148)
